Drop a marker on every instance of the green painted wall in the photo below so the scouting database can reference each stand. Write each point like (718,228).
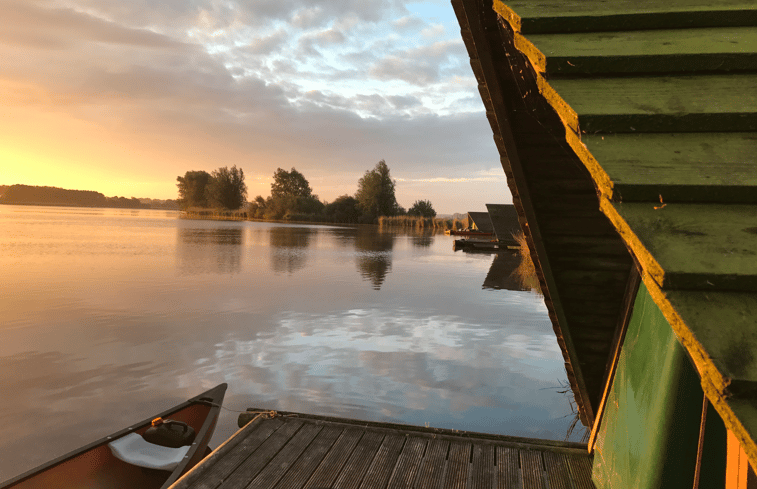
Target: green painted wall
(650,429)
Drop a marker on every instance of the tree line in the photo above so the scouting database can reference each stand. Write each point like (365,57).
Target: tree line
(292,197)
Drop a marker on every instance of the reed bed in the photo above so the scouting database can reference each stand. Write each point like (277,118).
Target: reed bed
(526,271)
(420,223)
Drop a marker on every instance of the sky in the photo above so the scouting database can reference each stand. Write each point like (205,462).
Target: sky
(122,97)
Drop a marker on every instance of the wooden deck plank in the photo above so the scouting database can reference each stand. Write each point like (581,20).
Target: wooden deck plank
(508,468)
(431,472)
(556,467)
(287,456)
(258,459)
(337,456)
(532,469)
(649,51)
(706,103)
(696,167)
(309,452)
(483,467)
(458,464)
(580,471)
(359,461)
(383,464)
(408,463)
(225,466)
(311,458)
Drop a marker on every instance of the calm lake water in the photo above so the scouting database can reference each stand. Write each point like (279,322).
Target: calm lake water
(109,316)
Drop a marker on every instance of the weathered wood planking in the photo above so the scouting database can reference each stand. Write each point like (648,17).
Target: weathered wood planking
(653,51)
(600,15)
(692,246)
(708,103)
(708,167)
(310,452)
(724,325)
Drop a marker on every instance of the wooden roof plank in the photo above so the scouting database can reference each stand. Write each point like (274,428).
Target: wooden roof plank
(649,51)
(708,103)
(692,246)
(708,167)
(725,325)
(600,15)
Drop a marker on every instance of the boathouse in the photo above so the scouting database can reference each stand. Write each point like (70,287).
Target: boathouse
(628,134)
(479,221)
(504,219)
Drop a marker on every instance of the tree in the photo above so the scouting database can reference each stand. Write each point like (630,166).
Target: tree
(193,189)
(343,209)
(422,208)
(227,188)
(289,183)
(375,193)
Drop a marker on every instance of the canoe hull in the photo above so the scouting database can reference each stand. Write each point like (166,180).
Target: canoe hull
(94,466)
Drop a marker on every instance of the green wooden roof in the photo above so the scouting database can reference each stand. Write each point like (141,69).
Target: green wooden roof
(643,112)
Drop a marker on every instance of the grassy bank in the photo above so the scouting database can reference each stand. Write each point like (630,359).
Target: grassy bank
(526,271)
(420,223)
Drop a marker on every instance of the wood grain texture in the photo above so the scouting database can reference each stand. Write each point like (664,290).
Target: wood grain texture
(508,468)
(285,458)
(533,469)
(458,464)
(710,103)
(383,464)
(704,247)
(680,167)
(431,472)
(257,460)
(303,469)
(556,468)
(409,461)
(334,461)
(598,15)
(649,51)
(223,468)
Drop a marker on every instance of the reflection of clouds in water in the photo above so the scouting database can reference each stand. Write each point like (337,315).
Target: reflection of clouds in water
(347,364)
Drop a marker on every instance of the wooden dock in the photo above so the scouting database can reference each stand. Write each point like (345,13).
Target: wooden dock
(297,451)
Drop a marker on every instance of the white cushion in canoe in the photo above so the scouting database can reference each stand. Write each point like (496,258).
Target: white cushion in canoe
(135,450)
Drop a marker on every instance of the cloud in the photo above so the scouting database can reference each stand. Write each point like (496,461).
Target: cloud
(418,66)
(267,44)
(408,23)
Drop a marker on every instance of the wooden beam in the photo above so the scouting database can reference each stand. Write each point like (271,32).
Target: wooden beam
(684,167)
(653,51)
(691,246)
(620,15)
(707,103)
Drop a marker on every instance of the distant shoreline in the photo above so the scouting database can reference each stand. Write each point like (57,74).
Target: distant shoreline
(146,207)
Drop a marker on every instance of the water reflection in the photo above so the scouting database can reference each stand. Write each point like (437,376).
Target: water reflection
(289,248)
(374,255)
(423,239)
(502,275)
(209,250)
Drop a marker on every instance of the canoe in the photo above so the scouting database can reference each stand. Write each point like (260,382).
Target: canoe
(126,460)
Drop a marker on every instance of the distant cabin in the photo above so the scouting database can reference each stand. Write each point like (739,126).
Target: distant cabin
(504,219)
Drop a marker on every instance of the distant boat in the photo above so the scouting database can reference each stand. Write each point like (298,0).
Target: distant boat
(179,440)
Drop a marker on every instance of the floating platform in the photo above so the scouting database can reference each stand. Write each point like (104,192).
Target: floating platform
(297,451)
(483,245)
